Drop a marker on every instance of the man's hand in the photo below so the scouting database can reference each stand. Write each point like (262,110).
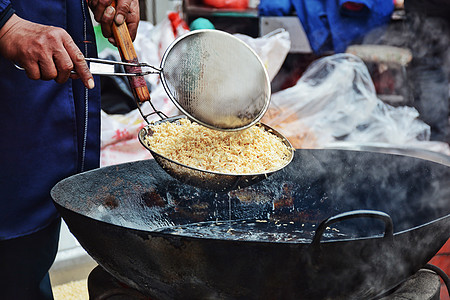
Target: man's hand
(125,11)
(45,52)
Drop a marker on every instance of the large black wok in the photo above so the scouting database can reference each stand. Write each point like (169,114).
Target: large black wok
(386,216)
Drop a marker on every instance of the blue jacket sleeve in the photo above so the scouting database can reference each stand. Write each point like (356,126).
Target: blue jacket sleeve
(6,11)
(4,4)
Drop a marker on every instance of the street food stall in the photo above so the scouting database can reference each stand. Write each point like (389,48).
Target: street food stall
(358,210)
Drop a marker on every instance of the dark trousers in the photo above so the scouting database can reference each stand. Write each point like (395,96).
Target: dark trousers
(24,264)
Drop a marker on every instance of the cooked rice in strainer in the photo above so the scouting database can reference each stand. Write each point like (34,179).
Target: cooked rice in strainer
(250,151)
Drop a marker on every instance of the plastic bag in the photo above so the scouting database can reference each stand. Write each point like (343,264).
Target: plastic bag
(335,100)
(271,48)
(119,141)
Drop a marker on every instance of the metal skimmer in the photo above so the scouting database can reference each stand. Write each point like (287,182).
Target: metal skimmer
(212,77)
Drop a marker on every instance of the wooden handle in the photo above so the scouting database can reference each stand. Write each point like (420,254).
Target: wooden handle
(128,54)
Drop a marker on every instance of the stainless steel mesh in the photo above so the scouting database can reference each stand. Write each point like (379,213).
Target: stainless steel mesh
(216,79)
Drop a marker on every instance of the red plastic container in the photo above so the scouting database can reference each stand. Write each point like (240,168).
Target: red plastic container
(227,4)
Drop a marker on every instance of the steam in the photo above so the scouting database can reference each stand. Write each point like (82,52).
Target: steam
(428,38)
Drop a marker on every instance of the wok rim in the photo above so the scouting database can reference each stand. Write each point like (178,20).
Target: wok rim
(384,148)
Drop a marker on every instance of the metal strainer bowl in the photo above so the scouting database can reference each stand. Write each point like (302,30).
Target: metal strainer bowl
(214,181)
(216,79)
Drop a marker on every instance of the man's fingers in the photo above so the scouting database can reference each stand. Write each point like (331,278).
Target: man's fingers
(123,7)
(33,71)
(107,21)
(107,13)
(79,64)
(106,30)
(45,52)
(92,3)
(64,67)
(98,8)
(48,70)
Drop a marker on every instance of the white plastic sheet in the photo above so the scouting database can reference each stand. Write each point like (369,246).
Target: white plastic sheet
(271,48)
(335,101)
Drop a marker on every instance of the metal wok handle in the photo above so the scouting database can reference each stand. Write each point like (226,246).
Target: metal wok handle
(388,229)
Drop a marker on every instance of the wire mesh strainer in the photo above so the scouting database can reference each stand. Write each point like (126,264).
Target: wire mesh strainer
(216,79)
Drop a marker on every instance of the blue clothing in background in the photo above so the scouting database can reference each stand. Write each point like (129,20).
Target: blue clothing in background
(348,26)
(332,25)
(313,17)
(274,7)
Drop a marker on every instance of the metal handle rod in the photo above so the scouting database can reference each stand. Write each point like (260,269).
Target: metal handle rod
(121,74)
(112,62)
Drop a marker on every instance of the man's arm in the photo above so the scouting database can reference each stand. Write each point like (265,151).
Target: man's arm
(49,53)
(45,52)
